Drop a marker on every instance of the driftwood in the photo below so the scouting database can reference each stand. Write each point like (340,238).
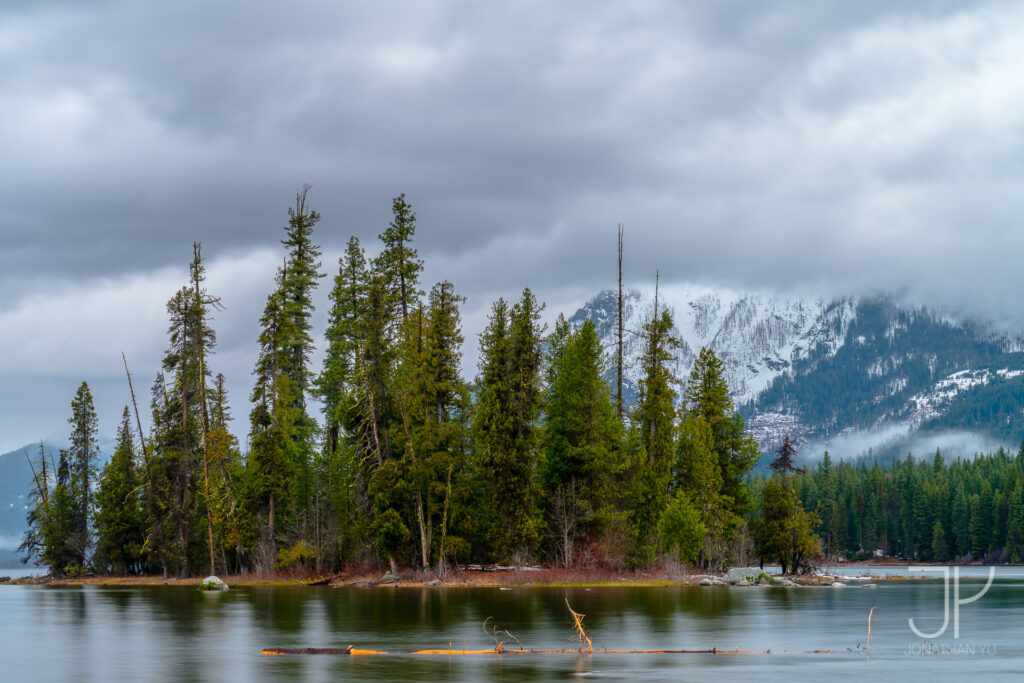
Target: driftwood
(510,653)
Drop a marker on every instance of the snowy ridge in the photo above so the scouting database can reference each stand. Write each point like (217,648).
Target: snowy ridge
(757,336)
(817,370)
(933,402)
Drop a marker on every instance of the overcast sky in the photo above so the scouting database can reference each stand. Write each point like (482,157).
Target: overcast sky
(829,147)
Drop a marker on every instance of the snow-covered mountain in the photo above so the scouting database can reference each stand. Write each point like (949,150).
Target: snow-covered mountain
(757,336)
(816,369)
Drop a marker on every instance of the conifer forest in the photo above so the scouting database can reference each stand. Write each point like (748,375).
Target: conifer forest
(385,455)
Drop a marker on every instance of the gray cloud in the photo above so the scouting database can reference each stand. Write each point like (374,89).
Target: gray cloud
(830,146)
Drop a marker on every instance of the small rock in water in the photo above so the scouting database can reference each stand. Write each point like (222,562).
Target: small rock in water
(743,582)
(838,584)
(212,583)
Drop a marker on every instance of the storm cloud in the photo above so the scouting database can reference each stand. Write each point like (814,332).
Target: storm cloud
(830,147)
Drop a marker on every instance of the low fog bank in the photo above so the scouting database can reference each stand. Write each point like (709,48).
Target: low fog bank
(888,443)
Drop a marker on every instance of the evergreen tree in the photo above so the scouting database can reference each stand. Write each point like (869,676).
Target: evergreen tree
(1015,528)
(784,530)
(335,385)
(431,406)
(580,439)
(299,278)
(783,463)
(83,453)
(681,530)
(653,420)
(505,424)
(398,262)
(40,542)
(707,395)
(120,522)
(280,468)
(940,551)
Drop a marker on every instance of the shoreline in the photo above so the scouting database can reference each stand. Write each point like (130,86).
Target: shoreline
(526,577)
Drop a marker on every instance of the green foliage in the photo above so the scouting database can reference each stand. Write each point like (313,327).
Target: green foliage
(120,520)
(505,424)
(707,395)
(897,509)
(784,531)
(581,440)
(83,453)
(681,530)
(411,465)
(299,554)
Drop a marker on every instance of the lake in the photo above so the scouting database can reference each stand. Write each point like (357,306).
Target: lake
(180,634)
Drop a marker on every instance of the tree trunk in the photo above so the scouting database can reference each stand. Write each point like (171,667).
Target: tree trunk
(618,358)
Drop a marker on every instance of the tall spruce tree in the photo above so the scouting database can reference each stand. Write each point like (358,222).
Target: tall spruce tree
(120,522)
(707,395)
(505,424)
(280,467)
(398,261)
(83,453)
(653,421)
(431,403)
(299,278)
(581,440)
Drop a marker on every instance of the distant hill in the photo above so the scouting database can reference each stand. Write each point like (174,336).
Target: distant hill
(15,484)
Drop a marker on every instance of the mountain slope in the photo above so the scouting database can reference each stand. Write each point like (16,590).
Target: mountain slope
(816,369)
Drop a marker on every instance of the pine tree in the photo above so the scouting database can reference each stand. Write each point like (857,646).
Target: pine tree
(655,410)
(338,389)
(1015,528)
(64,551)
(653,420)
(783,463)
(707,395)
(120,522)
(299,278)
(398,262)
(226,475)
(940,551)
(281,468)
(39,541)
(335,385)
(431,404)
(83,452)
(784,531)
(505,424)
(581,438)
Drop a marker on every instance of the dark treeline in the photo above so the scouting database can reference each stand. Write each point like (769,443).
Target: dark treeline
(406,463)
(927,510)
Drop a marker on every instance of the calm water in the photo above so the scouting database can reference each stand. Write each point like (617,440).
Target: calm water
(180,634)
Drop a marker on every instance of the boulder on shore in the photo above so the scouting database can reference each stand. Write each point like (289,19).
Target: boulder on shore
(712,582)
(737,574)
(212,583)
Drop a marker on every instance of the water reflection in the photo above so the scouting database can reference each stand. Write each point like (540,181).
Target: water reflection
(176,633)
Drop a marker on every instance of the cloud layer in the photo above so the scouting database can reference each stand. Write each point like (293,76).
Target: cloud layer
(826,146)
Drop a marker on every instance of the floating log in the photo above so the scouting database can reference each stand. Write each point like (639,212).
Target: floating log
(499,651)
